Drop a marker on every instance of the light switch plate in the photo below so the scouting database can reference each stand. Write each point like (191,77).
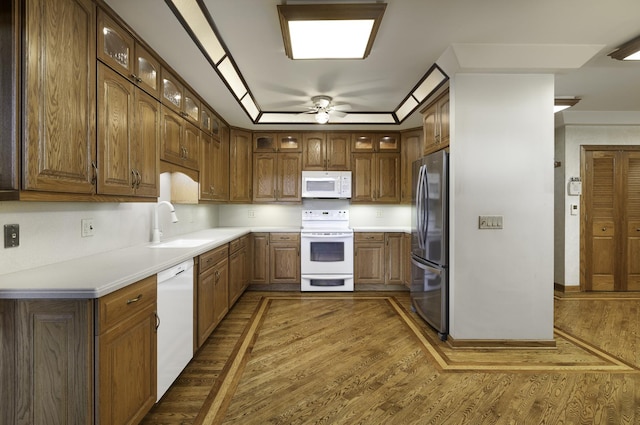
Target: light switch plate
(11,235)
(490,222)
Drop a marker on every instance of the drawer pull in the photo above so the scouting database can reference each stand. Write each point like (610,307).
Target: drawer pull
(134,300)
(604,229)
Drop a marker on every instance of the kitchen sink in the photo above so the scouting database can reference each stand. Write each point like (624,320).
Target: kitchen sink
(181,243)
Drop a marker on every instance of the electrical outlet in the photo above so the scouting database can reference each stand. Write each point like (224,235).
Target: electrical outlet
(11,235)
(379,213)
(251,214)
(87,227)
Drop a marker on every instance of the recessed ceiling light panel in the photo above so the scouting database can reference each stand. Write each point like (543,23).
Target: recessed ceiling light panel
(329,31)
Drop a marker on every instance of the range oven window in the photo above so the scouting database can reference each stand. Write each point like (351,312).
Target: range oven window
(327,251)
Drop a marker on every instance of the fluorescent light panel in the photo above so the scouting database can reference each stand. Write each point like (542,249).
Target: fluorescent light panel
(329,31)
(192,14)
(562,103)
(338,40)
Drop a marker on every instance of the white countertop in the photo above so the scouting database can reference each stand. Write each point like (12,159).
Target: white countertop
(97,275)
(383,229)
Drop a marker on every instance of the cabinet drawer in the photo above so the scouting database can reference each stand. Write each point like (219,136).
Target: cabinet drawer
(238,244)
(126,302)
(284,237)
(211,258)
(368,237)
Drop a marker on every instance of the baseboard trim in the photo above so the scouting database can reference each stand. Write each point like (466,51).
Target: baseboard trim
(562,288)
(506,344)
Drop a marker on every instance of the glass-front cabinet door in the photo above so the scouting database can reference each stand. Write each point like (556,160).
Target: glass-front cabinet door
(147,71)
(289,142)
(115,45)
(388,142)
(191,107)
(172,91)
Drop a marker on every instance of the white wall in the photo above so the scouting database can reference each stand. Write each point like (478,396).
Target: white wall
(571,136)
(51,232)
(275,215)
(502,157)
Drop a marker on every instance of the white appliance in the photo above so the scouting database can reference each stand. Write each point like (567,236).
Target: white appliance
(326,184)
(326,251)
(175,329)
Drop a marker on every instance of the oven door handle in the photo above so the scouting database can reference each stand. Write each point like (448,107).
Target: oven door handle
(327,276)
(333,235)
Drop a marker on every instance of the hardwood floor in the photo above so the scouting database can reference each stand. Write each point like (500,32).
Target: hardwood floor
(364,358)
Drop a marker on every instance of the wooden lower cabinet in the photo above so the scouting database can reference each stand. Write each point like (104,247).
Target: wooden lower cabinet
(53,343)
(378,258)
(79,361)
(238,268)
(276,258)
(368,260)
(406,253)
(394,267)
(212,291)
(127,357)
(284,258)
(260,254)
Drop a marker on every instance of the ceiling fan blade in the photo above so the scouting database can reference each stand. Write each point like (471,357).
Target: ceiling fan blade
(338,113)
(342,107)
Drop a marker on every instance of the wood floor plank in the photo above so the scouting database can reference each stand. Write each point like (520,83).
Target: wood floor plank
(366,359)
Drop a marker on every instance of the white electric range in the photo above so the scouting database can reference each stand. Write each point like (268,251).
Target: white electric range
(326,251)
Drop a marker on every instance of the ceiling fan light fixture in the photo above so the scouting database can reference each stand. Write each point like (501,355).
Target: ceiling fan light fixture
(322,117)
(329,31)
(629,51)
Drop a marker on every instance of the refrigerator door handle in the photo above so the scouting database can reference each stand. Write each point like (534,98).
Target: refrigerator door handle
(421,208)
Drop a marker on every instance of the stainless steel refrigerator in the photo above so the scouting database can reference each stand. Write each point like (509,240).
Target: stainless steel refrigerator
(430,241)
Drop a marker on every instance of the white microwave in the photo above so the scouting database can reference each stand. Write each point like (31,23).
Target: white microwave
(326,184)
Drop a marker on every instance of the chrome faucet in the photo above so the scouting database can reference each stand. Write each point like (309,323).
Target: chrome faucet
(156,227)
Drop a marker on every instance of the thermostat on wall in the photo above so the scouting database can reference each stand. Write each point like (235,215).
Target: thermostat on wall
(575,186)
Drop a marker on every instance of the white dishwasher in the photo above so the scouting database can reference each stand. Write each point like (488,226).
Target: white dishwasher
(175,330)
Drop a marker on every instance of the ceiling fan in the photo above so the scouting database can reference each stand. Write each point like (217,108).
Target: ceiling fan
(323,108)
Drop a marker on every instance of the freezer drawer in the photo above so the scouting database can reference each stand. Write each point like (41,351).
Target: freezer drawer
(430,295)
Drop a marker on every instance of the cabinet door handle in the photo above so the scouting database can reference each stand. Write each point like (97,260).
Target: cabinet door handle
(139,179)
(134,179)
(157,320)
(217,275)
(134,300)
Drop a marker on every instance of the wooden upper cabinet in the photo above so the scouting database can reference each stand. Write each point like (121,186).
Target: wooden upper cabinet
(435,122)
(119,50)
(411,150)
(376,177)
(276,177)
(59,83)
(180,141)
(289,142)
(314,148)
(128,137)
(214,168)
(326,151)
(277,142)
(240,167)
(363,142)
(209,123)
(191,107)
(338,153)
(172,92)
(375,142)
